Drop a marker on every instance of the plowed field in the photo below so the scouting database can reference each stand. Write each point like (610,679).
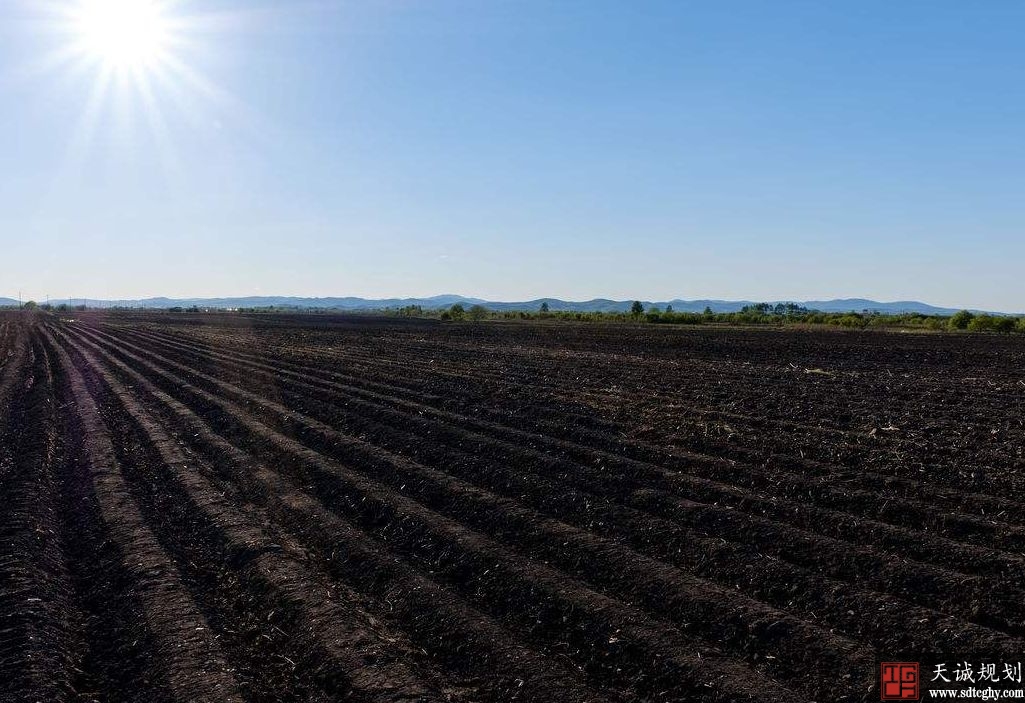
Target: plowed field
(320,508)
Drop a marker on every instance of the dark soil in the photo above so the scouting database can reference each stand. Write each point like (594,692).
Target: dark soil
(320,508)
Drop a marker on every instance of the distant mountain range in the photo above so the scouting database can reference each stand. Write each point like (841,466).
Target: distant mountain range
(554,304)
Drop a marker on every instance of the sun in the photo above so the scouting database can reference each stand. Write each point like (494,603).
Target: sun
(136,71)
(124,34)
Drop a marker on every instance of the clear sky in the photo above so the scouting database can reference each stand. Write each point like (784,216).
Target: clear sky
(516,149)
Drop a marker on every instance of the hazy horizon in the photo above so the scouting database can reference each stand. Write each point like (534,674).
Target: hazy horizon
(577,150)
(587,298)
(573,301)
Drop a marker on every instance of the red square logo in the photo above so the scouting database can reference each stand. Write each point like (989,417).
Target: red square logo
(898,681)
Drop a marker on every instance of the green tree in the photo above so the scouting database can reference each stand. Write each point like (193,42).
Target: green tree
(1004,325)
(960,320)
(982,323)
(669,309)
(457,311)
(544,306)
(708,311)
(636,309)
(477,313)
(31,305)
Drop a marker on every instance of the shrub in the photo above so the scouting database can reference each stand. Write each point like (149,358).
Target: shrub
(981,323)
(960,320)
(1004,325)
(852,320)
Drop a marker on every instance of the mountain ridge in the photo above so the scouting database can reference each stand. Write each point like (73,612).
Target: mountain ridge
(354,303)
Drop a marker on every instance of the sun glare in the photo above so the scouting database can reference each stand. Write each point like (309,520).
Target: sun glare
(126,34)
(136,67)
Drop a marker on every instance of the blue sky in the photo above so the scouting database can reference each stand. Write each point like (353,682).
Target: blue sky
(510,150)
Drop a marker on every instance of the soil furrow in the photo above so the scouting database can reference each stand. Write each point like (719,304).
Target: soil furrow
(179,659)
(486,570)
(340,649)
(954,594)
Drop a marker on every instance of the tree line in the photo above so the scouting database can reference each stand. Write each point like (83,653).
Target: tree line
(778,314)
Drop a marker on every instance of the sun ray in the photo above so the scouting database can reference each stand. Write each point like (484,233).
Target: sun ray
(85,129)
(137,66)
(124,45)
(222,101)
(156,123)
